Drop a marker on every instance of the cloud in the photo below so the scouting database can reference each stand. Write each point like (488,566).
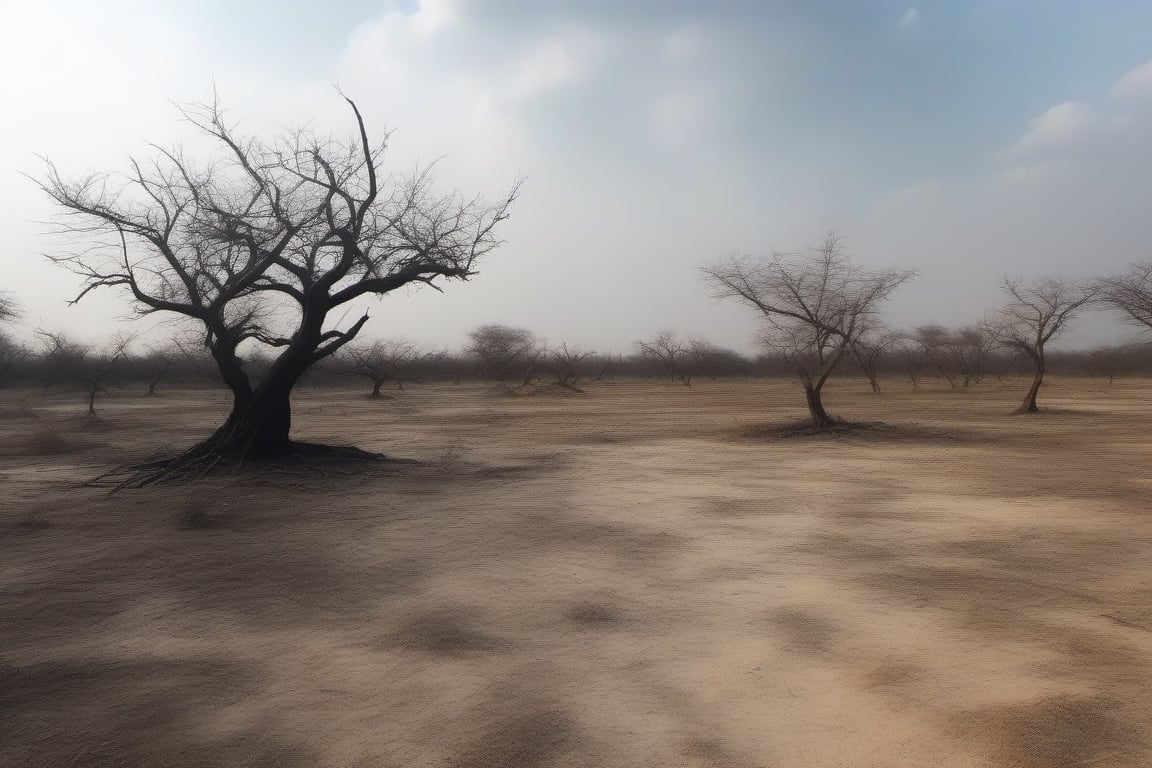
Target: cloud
(909,19)
(1062,125)
(1135,85)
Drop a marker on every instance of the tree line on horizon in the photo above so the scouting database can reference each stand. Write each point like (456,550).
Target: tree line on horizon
(957,359)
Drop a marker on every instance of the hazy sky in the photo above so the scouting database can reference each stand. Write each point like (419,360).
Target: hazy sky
(964,138)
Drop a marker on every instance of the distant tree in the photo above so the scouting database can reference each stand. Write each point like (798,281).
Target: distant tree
(869,349)
(158,360)
(1105,362)
(12,354)
(976,345)
(567,363)
(960,356)
(381,361)
(13,357)
(1033,315)
(88,367)
(503,352)
(705,358)
(609,365)
(936,345)
(815,307)
(672,352)
(263,244)
(712,360)
(912,359)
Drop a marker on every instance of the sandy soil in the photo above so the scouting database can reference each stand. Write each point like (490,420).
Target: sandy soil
(636,576)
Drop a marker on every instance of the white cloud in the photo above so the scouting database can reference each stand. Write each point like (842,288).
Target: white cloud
(909,19)
(1062,125)
(1135,85)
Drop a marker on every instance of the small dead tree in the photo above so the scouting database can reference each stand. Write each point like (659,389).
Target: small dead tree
(90,368)
(973,346)
(381,361)
(1106,363)
(567,364)
(706,358)
(158,361)
(913,360)
(264,244)
(12,354)
(13,357)
(960,356)
(671,352)
(815,306)
(936,345)
(503,352)
(1034,314)
(870,348)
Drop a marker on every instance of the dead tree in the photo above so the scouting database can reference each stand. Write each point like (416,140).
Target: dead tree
(1033,315)
(13,358)
(66,360)
(381,361)
(263,244)
(936,344)
(913,360)
(12,354)
(1106,362)
(158,361)
(974,346)
(671,352)
(503,352)
(706,358)
(869,350)
(815,307)
(567,364)
(960,356)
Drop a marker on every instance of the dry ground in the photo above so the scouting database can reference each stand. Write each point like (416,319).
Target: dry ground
(636,576)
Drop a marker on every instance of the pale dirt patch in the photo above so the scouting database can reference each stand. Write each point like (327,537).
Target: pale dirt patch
(635,575)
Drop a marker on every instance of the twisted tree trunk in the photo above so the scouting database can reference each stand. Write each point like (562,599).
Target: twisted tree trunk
(812,395)
(1029,404)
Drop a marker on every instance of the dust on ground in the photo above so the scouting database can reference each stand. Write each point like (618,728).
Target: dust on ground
(642,574)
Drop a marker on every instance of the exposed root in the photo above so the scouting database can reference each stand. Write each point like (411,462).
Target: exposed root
(199,461)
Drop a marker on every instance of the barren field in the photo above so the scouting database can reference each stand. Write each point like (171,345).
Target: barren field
(640,575)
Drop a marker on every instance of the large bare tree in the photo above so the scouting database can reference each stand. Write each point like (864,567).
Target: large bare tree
(261,245)
(1034,314)
(815,305)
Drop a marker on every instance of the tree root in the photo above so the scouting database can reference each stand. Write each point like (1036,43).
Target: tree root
(201,460)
